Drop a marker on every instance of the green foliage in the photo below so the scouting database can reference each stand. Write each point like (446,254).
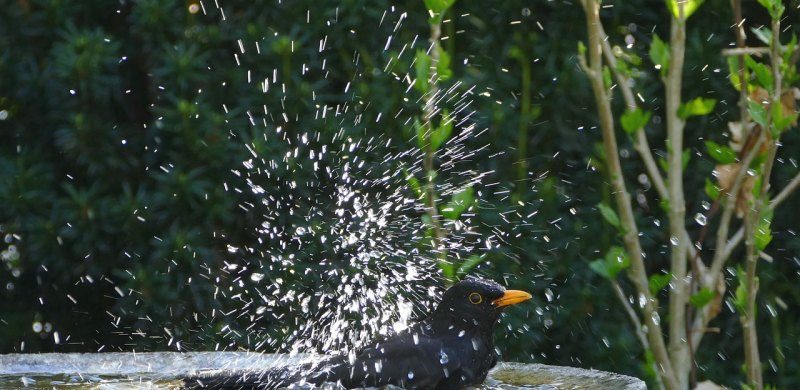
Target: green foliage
(657,282)
(616,260)
(161,216)
(774,7)
(702,298)
(634,120)
(609,214)
(660,55)
(711,189)
(696,107)
(689,7)
(763,232)
(720,153)
(758,113)
(422,65)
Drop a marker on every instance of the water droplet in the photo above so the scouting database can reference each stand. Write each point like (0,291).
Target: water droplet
(256,277)
(700,219)
(443,358)
(462,333)
(656,318)
(706,205)
(548,293)
(410,375)
(674,240)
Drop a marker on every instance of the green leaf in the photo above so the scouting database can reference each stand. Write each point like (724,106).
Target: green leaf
(658,281)
(616,260)
(422,136)
(662,162)
(733,72)
(581,48)
(701,298)
(712,190)
(775,8)
(763,74)
(459,202)
(659,54)
(763,233)
(413,182)
(470,263)
(664,204)
(689,7)
(634,120)
(764,34)
(599,266)
(443,70)
(780,121)
(448,271)
(442,133)
(695,107)
(720,153)
(422,66)
(686,156)
(607,81)
(438,6)
(758,112)
(609,214)
(740,297)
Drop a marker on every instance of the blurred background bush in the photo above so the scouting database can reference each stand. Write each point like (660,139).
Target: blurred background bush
(123,125)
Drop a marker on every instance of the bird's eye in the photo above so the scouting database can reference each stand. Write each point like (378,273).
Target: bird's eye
(475,298)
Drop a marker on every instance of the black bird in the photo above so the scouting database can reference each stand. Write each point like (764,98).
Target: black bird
(451,349)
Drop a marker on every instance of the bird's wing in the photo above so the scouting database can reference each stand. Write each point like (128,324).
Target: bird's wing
(403,360)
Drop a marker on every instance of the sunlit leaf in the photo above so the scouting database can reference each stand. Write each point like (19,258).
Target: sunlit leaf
(609,214)
(438,6)
(702,297)
(581,48)
(711,189)
(607,81)
(758,113)
(733,72)
(695,107)
(632,121)
(617,260)
(659,54)
(763,74)
(763,233)
(689,7)
(658,281)
(720,153)
(774,7)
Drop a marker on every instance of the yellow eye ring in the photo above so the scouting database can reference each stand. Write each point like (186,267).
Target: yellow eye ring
(475,298)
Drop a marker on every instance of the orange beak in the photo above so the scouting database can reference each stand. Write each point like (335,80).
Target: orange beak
(512,297)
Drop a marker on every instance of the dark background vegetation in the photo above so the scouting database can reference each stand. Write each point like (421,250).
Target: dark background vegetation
(117,222)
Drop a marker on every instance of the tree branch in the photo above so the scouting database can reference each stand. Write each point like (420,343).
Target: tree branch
(637,272)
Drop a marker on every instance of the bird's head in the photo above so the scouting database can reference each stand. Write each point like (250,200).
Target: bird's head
(478,301)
